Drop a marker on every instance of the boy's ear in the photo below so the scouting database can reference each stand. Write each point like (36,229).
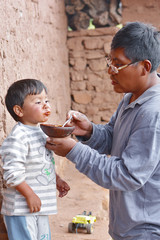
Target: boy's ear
(18,110)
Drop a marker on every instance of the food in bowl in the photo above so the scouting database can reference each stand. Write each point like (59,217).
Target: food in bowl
(56,130)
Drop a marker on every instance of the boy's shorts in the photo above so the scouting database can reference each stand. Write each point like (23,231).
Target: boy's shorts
(27,227)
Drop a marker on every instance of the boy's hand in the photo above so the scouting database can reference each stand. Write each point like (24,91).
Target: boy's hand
(62,186)
(33,201)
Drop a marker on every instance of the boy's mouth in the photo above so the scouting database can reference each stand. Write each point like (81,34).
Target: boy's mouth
(47,113)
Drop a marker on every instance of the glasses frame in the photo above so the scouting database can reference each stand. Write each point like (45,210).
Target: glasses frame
(117,69)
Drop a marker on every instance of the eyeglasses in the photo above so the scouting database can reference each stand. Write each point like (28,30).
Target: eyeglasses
(117,69)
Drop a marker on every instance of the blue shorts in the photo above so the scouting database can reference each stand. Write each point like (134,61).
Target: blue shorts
(27,227)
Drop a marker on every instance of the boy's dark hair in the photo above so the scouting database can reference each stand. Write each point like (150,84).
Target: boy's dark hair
(140,41)
(19,90)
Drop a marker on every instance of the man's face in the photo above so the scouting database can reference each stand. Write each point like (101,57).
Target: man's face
(127,79)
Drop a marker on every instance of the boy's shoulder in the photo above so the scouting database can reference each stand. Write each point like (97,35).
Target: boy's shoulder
(22,132)
(17,130)
(15,136)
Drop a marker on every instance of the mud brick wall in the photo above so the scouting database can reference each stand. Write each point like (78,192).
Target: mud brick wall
(91,89)
(33,45)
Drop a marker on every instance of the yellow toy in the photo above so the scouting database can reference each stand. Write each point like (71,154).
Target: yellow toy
(82,221)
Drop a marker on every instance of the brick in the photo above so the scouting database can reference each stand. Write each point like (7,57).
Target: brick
(81,97)
(98,64)
(80,64)
(76,75)
(93,43)
(78,85)
(96,54)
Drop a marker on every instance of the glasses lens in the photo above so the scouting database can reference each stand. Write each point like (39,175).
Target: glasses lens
(109,65)
(114,69)
(109,61)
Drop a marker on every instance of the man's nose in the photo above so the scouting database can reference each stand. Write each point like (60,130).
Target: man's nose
(112,70)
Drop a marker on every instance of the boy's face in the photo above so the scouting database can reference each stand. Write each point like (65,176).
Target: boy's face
(36,109)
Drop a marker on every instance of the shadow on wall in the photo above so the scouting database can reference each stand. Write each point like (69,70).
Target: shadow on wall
(86,14)
(3,232)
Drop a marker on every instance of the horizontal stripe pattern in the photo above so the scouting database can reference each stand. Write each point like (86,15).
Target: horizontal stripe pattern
(25,158)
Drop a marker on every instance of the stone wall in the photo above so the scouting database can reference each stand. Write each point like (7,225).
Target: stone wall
(91,89)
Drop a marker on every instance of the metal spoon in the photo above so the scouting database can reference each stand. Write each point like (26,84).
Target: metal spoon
(67,121)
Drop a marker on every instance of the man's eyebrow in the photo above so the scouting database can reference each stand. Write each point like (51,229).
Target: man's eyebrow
(115,59)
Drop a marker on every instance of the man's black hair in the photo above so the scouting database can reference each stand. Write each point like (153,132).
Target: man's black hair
(140,42)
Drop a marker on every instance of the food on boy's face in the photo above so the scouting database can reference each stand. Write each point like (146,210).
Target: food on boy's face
(47,113)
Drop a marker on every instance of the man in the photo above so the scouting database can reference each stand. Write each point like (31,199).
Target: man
(124,155)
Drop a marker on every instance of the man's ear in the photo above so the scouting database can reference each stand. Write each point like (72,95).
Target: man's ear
(147,65)
(18,110)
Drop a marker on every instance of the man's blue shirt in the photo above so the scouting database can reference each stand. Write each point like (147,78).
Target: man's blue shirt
(124,156)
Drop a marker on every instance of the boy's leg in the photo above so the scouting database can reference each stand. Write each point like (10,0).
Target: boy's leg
(43,228)
(27,227)
(38,227)
(17,228)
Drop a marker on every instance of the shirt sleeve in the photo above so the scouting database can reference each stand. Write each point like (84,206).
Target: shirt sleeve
(13,153)
(101,138)
(129,171)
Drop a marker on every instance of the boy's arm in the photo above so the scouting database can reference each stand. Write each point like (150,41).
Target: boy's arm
(33,201)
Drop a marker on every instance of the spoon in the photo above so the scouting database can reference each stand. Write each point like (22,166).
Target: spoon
(67,121)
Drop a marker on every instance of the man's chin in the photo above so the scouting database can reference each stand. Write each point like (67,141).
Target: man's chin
(117,89)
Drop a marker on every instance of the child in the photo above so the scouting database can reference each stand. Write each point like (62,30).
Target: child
(29,168)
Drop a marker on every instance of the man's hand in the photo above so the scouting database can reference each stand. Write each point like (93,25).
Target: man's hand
(83,127)
(60,146)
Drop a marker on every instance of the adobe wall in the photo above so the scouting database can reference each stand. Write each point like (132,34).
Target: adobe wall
(33,45)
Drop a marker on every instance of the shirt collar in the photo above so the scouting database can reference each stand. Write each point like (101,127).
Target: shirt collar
(149,93)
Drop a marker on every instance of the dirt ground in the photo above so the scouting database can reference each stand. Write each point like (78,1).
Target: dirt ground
(83,196)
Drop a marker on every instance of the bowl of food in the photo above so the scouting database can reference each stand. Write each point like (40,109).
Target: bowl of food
(56,131)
